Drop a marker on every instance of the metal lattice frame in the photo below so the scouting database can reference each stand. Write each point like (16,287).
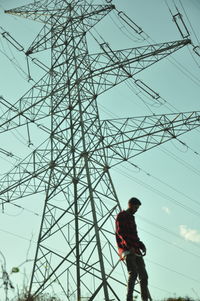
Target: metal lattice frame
(76,247)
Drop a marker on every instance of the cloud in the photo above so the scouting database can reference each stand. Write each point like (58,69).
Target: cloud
(166,210)
(189,234)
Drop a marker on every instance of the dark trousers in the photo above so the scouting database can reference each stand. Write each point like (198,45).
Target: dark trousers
(136,268)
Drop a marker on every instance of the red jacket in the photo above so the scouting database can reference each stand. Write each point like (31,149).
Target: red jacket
(126,233)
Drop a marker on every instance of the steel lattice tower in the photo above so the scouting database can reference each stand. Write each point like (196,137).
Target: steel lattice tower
(76,247)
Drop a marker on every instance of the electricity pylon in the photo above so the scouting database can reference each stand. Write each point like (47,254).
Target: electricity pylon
(76,250)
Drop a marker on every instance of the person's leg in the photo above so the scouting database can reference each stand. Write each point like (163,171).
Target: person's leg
(132,270)
(143,277)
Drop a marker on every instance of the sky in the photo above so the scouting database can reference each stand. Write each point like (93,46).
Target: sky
(165,179)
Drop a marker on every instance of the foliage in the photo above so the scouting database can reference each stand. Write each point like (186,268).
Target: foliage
(180,299)
(42,297)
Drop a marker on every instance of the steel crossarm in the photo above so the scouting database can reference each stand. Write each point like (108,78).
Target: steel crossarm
(32,174)
(32,106)
(125,138)
(44,11)
(109,68)
(120,139)
(91,14)
(104,71)
(27,177)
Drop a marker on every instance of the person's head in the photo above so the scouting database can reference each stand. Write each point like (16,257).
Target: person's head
(133,205)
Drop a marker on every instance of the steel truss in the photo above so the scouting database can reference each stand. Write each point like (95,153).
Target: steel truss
(76,250)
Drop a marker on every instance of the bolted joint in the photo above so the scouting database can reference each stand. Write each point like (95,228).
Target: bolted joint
(75,180)
(78,81)
(106,168)
(70,107)
(84,154)
(72,150)
(51,71)
(30,51)
(52,164)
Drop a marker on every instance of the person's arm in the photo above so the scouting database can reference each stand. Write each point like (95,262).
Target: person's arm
(142,247)
(122,230)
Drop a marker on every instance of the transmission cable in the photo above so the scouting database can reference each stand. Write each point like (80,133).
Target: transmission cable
(158,192)
(164,183)
(181,161)
(192,29)
(198,41)
(120,28)
(16,65)
(170,243)
(164,229)
(180,66)
(172,270)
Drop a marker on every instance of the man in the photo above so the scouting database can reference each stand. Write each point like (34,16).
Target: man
(132,249)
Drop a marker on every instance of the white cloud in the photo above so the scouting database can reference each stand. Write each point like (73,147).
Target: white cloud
(166,210)
(189,234)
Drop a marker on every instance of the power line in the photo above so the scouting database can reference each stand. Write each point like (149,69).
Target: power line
(170,243)
(198,41)
(158,192)
(172,270)
(166,184)
(164,229)
(16,235)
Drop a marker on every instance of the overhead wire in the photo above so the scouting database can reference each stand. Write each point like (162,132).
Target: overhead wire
(25,75)
(165,103)
(158,192)
(25,209)
(163,183)
(137,94)
(16,235)
(156,263)
(196,4)
(165,229)
(18,68)
(124,32)
(198,41)
(170,243)
(128,83)
(192,29)
(183,69)
(172,270)
(162,228)
(21,208)
(181,161)
(149,107)
(8,161)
